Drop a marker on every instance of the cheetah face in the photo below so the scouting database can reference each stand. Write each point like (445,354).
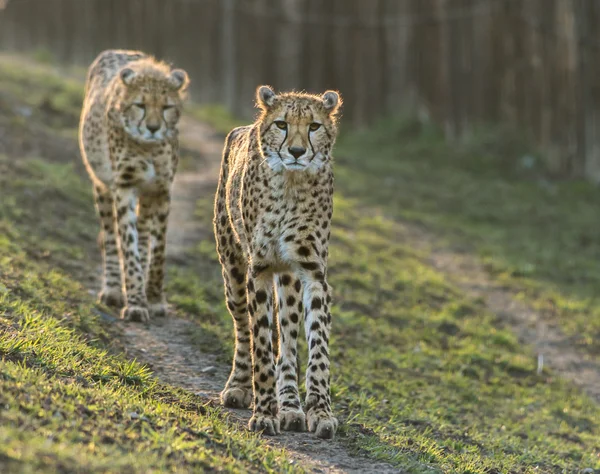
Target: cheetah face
(297,130)
(151,105)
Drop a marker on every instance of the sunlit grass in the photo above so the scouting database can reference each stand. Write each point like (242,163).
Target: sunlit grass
(70,401)
(532,233)
(216,115)
(425,377)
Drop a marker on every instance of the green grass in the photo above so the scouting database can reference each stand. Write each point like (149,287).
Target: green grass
(445,384)
(423,376)
(70,400)
(216,115)
(534,234)
(69,405)
(43,95)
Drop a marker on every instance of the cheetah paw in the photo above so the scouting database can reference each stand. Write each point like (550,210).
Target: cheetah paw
(111,297)
(322,423)
(158,310)
(292,420)
(137,314)
(267,424)
(236,397)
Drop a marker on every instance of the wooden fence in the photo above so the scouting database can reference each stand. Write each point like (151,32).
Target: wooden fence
(530,63)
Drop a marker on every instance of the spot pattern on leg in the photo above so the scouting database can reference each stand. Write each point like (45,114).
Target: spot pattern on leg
(156,272)
(289,309)
(260,309)
(145,225)
(238,391)
(317,299)
(136,306)
(111,292)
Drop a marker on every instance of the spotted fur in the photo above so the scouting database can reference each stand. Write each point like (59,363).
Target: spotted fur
(129,143)
(273,211)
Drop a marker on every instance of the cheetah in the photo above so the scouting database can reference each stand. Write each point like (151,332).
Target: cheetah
(272,220)
(129,144)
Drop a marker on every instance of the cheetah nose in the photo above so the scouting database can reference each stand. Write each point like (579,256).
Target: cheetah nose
(297,151)
(152,128)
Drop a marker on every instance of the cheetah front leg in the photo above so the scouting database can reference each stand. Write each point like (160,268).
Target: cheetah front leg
(260,308)
(136,305)
(317,325)
(238,390)
(111,292)
(289,297)
(156,272)
(145,225)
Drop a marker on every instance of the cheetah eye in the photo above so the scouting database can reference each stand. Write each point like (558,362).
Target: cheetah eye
(281,124)
(168,107)
(140,106)
(314,126)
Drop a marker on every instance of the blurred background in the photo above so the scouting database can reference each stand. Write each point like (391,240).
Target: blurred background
(532,64)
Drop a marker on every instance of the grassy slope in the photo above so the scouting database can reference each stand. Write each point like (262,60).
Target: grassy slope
(536,235)
(425,377)
(422,376)
(66,403)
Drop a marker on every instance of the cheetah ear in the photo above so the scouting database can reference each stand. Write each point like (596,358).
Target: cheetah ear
(127,76)
(332,101)
(179,79)
(265,97)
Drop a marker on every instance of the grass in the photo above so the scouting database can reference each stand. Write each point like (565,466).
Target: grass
(490,195)
(57,103)
(423,376)
(216,115)
(445,384)
(69,405)
(70,401)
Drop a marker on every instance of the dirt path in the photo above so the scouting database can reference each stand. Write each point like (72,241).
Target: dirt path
(165,345)
(553,348)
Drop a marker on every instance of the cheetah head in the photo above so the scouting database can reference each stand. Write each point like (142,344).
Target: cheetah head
(151,101)
(297,131)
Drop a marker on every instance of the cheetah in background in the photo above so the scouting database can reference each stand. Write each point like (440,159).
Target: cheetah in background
(129,143)
(273,211)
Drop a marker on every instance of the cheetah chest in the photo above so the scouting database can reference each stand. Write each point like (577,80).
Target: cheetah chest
(154,175)
(290,220)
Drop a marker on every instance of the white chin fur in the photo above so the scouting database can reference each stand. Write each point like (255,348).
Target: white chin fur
(275,162)
(294,166)
(146,137)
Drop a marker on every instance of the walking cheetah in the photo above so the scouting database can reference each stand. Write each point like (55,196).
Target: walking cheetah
(273,212)
(129,143)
